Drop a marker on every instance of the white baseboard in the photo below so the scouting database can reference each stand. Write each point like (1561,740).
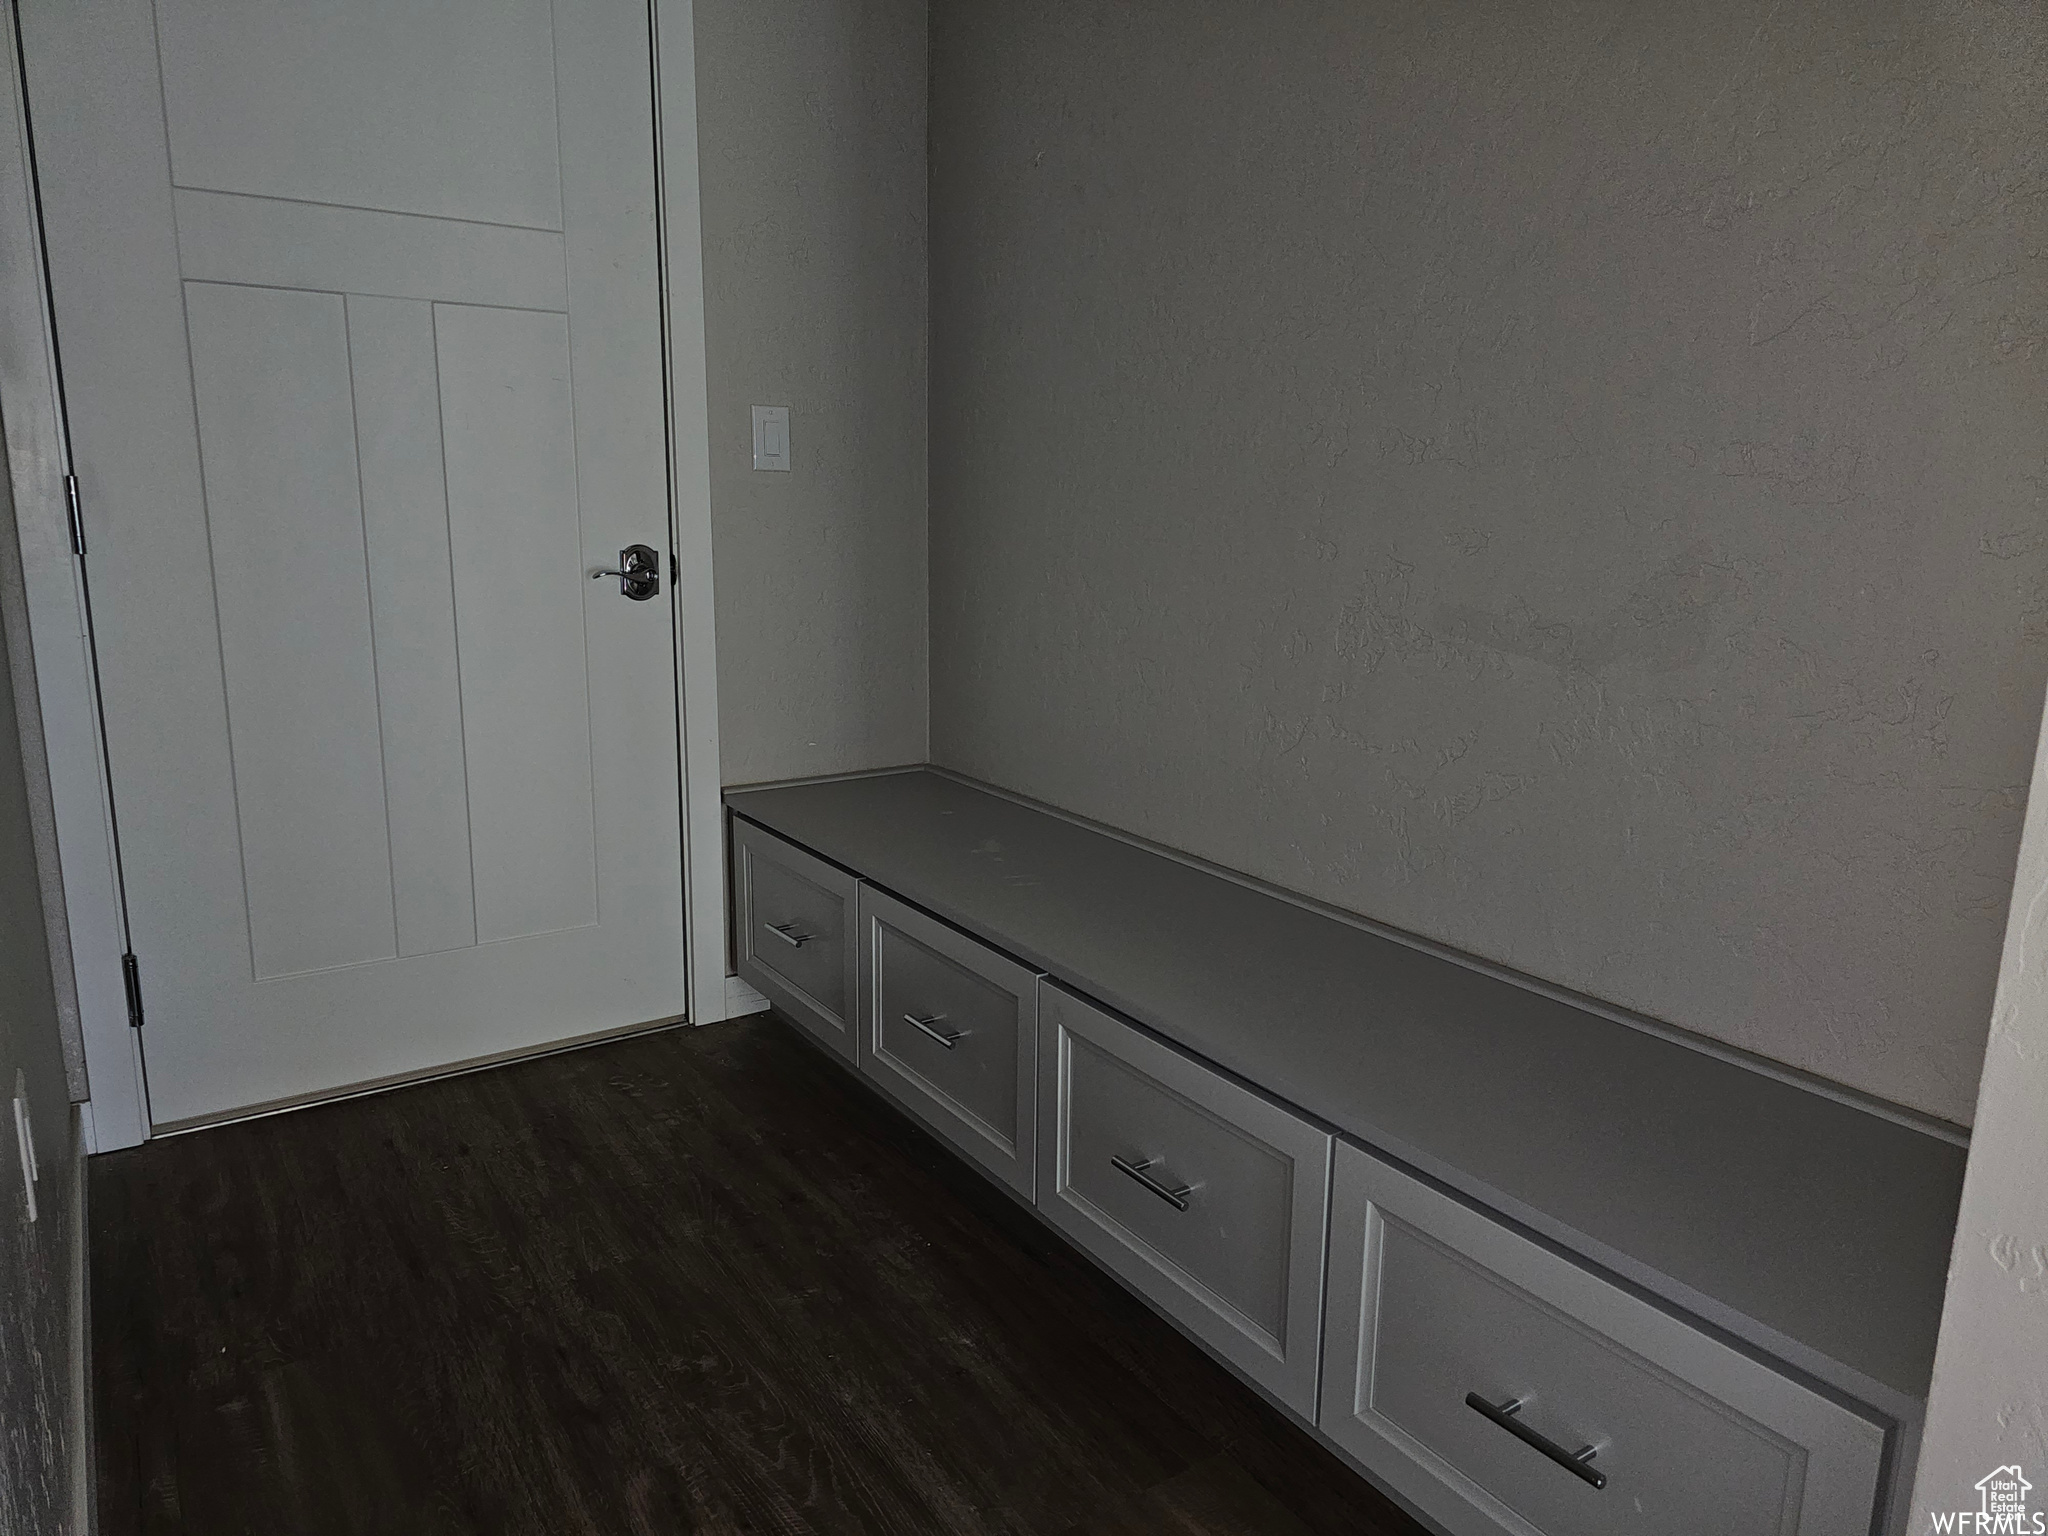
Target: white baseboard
(85,1502)
(741,999)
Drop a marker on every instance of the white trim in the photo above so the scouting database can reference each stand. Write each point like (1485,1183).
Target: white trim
(741,998)
(37,462)
(84,1461)
(682,238)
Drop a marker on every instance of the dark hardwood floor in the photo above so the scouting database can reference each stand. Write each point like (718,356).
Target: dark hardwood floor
(699,1281)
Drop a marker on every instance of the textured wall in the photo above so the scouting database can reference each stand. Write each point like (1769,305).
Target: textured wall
(39,1311)
(811,115)
(1989,1405)
(1564,478)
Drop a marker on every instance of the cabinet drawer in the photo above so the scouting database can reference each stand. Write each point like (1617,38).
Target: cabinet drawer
(1206,1197)
(796,918)
(949,1028)
(1431,1301)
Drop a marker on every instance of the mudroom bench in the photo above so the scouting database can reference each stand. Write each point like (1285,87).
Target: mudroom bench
(1529,1265)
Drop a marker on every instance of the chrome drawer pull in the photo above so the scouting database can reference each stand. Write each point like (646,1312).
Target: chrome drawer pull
(1578,1463)
(947,1038)
(1177,1198)
(788,934)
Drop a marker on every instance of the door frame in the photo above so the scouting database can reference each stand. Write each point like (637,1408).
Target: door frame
(54,585)
(679,219)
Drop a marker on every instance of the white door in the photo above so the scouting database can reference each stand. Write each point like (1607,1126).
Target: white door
(359,320)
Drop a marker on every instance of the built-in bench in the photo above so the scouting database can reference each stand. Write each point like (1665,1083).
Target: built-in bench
(1530,1265)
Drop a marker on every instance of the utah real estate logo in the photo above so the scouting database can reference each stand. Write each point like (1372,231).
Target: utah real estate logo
(2002,1508)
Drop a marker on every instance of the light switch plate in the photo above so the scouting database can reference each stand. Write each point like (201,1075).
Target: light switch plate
(771,437)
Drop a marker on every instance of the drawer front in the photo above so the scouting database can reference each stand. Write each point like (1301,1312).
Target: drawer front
(949,1028)
(1203,1195)
(1431,1301)
(796,915)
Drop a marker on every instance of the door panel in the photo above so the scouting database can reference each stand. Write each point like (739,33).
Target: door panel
(511,457)
(277,448)
(357,405)
(442,107)
(412,621)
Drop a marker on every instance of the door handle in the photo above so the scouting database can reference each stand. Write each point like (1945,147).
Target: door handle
(788,934)
(929,1025)
(1174,1195)
(639,572)
(1507,1415)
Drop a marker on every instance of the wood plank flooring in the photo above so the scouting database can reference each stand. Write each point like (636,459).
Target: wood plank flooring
(698,1281)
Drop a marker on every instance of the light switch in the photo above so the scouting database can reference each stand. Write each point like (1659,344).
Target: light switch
(771,437)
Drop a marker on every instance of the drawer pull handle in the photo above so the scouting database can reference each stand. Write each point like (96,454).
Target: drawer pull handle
(788,934)
(1177,1198)
(1579,1463)
(946,1037)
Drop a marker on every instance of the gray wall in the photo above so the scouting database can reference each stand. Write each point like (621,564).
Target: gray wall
(41,1313)
(1566,479)
(811,116)
(1989,1405)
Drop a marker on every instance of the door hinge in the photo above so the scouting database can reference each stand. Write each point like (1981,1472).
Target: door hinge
(77,516)
(131,978)
(674,575)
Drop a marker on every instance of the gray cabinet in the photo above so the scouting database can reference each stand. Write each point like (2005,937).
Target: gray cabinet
(1504,1388)
(796,933)
(1205,1196)
(949,1029)
(1724,1286)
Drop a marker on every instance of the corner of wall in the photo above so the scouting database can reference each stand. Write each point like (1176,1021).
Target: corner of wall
(813,123)
(1988,1406)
